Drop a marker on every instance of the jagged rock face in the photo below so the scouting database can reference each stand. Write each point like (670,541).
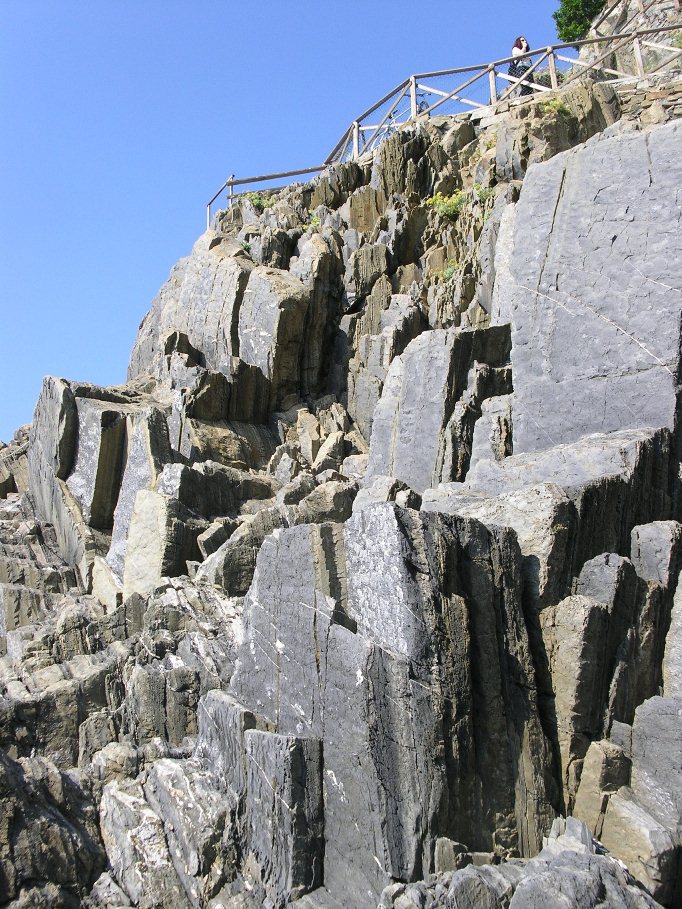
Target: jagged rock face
(371,568)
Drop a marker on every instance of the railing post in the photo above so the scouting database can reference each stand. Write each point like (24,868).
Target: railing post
(356,139)
(639,61)
(493,83)
(231,194)
(554,81)
(413,98)
(208,216)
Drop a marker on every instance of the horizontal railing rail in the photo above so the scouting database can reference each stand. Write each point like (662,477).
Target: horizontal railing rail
(488,85)
(231,182)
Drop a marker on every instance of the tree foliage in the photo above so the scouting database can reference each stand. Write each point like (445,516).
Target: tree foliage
(574,17)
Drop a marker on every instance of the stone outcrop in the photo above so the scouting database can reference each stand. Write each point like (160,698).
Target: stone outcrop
(363,589)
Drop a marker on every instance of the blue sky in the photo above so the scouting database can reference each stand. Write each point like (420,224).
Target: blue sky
(120,120)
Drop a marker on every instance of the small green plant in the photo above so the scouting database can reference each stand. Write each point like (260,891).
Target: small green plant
(260,201)
(483,193)
(490,143)
(677,41)
(574,18)
(555,106)
(245,246)
(449,270)
(314,219)
(448,206)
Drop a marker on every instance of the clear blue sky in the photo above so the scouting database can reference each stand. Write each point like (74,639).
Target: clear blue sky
(120,118)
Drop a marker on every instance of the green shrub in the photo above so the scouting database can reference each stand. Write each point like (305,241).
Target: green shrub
(260,201)
(448,206)
(574,18)
(483,192)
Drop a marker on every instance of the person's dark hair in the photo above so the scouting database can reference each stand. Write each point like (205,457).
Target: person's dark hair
(519,42)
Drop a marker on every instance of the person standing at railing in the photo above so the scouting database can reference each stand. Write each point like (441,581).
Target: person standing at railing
(518,68)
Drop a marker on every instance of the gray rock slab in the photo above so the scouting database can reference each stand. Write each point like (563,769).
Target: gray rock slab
(544,520)
(95,478)
(201,299)
(601,277)
(147,450)
(284,813)
(423,385)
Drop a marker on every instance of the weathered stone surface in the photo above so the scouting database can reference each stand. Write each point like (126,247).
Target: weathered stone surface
(386,489)
(567,872)
(545,522)
(210,489)
(349,693)
(642,823)
(19,606)
(615,480)
(621,185)
(136,847)
(233,564)
(95,478)
(284,812)
(202,299)
(412,432)
(271,323)
(147,450)
(161,540)
(656,552)
(14,472)
(672,661)
(575,633)
(194,815)
(359,620)
(605,769)
(48,833)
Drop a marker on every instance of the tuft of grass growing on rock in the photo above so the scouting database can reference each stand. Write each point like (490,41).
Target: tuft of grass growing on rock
(483,193)
(555,106)
(449,270)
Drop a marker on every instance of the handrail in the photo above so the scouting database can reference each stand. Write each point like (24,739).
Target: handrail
(244,181)
(355,143)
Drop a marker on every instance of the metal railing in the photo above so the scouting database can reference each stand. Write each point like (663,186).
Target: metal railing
(487,87)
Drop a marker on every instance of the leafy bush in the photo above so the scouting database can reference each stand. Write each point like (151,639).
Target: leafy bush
(260,201)
(574,18)
(448,206)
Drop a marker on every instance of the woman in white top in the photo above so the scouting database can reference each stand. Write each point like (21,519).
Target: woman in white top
(518,68)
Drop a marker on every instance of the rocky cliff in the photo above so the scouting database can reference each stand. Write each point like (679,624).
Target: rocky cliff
(363,589)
